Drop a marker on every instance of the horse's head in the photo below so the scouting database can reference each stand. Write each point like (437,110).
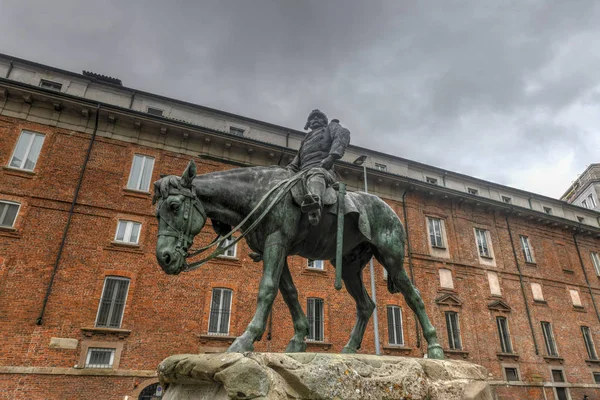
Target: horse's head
(180,215)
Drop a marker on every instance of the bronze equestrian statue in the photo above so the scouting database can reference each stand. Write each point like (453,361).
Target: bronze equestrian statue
(266,203)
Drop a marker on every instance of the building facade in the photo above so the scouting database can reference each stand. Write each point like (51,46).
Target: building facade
(585,191)
(510,279)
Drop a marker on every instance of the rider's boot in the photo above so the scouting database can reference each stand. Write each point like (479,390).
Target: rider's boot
(312,206)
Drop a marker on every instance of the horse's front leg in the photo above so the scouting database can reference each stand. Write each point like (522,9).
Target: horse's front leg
(274,256)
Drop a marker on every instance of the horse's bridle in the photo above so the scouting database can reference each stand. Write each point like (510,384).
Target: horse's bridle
(184,238)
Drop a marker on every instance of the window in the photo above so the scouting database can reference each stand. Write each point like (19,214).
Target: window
(128,232)
(494,283)
(316,264)
(236,131)
(141,173)
(597,377)
(381,167)
(50,85)
(231,251)
(98,357)
(512,374)
(446,279)
(473,191)
(8,213)
(596,261)
(220,311)
(435,232)
(536,290)
(482,243)
(504,335)
(561,392)
(591,201)
(580,219)
(453,331)
(27,151)
(589,343)
(575,299)
(584,204)
(431,180)
(155,111)
(549,339)
(526,249)
(315,319)
(112,303)
(395,334)
(506,199)
(548,210)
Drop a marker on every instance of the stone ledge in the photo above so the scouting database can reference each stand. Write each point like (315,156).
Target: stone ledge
(120,333)
(278,376)
(75,371)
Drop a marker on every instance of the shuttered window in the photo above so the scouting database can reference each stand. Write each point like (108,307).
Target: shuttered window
(220,312)
(395,334)
(315,319)
(112,303)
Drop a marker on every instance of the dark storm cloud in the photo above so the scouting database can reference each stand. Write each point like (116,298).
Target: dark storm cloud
(505,91)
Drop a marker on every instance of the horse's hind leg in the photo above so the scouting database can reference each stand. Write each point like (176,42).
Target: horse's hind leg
(399,281)
(352,275)
(290,296)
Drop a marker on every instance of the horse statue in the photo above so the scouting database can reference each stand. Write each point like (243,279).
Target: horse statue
(228,198)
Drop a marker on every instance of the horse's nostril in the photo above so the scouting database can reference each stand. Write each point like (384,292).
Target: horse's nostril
(167,258)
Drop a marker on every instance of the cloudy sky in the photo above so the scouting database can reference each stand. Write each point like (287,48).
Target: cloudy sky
(508,92)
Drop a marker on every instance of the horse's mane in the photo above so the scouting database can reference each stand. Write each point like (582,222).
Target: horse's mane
(162,186)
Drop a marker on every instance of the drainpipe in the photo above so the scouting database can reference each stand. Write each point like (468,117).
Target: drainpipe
(10,68)
(410,264)
(529,200)
(512,244)
(40,319)
(132,99)
(444,178)
(587,281)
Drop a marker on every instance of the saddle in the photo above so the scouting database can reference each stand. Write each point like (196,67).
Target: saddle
(329,197)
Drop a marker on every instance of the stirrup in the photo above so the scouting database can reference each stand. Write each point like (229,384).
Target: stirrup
(314,217)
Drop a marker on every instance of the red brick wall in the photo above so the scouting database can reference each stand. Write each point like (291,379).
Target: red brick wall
(167,314)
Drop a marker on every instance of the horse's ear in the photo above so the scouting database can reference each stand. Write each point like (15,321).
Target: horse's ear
(188,175)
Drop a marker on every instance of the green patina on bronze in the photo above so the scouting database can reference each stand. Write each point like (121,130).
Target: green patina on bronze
(303,221)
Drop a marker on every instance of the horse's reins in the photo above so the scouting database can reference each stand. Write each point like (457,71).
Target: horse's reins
(285,186)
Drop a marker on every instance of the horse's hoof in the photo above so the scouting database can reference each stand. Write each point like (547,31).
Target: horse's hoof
(348,350)
(295,347)
(435,352)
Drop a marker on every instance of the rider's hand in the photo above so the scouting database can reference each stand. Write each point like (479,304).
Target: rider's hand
(327,163)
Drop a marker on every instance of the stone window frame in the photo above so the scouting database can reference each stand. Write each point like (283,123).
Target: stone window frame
(129,224)
(589,347)
(450,331)
(50,85)
(560,384)
(87,344)
(507,199)
(155,111)
(106,278)
(14,222)
(528,254)
(507,338)
(431,180)
(490,259)
(595,262)
(228,252)
(549,339)
(308,299)
(442,251)
(27,150)
(594,374)
(511,365)
(210,312)
(402,340)
(380,167)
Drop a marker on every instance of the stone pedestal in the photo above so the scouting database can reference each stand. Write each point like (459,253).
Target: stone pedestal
(319,376)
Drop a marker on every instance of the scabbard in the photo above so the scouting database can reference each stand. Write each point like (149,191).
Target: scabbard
(340,236)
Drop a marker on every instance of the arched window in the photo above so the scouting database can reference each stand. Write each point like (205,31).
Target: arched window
(151,392)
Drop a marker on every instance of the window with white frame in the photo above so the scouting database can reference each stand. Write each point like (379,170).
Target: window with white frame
(155,111)
(230,251)
(591,201)
(27,151)
(436,236)
(8,213)
(511,373)
(454,342)
(316,264)
(46,84)
(473,191)
(128,232)
(575,299)
(589,343)
(395,333)
(548,210)
(506,199)
(236,131)
(381,167)
(315,315)
(504,335)
(446,279)
(549,339)
(141,173)
(431,180)
(596,261)
(220,311)
(536,290)
(527,253)
(100,357)
(112,302)
(581,219)
(481,235)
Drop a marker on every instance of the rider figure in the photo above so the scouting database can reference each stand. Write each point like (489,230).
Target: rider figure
(324,144)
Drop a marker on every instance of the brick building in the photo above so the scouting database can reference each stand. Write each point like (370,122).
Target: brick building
(509,278)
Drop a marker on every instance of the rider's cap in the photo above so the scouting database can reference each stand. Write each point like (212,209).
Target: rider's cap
(314,112)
